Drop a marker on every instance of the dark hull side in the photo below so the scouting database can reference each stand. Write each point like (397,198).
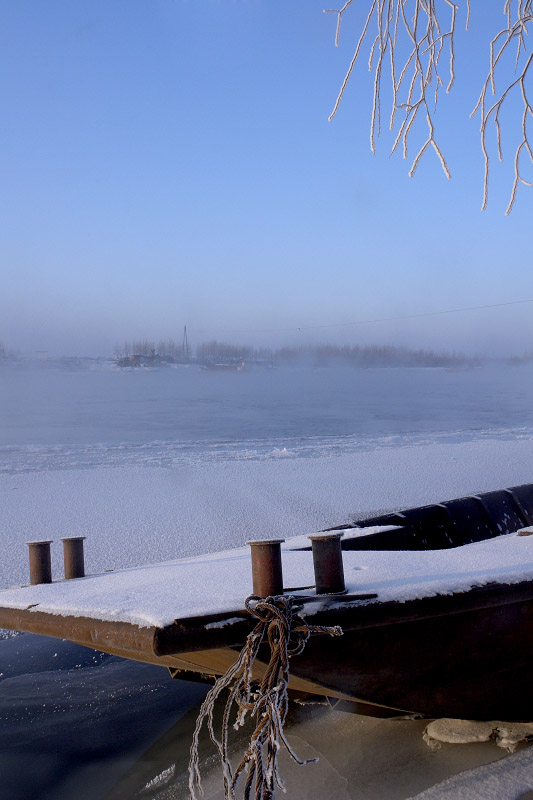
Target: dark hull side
(449,524)
(467,655)
(470,664)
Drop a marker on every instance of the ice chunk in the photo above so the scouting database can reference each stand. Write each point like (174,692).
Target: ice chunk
(462,731)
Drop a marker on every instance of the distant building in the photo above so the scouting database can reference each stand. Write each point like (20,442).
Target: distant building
(138,360)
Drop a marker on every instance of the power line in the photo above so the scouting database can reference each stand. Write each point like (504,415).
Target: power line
(378,319)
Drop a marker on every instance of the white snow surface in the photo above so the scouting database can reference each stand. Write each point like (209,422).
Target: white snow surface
(159,594)
(356,533)
(145,514)
(506,779)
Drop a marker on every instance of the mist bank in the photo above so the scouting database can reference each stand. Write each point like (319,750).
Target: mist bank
(321,355)
(148,353)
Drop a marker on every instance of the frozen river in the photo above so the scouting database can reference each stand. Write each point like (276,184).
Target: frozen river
(187,410)
(153,465)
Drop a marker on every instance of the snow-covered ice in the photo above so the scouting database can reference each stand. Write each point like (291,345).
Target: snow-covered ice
(507,779)
(139,515)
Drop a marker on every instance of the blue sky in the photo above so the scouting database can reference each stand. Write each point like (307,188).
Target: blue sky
(170,162)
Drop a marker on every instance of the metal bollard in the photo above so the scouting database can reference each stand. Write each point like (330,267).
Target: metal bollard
(267,572)
(327,563)
(40,562)
(73,557)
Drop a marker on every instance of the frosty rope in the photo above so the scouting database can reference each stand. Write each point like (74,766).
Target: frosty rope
(267,701)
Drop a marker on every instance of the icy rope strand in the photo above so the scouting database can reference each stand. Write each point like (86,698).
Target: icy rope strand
(267,702)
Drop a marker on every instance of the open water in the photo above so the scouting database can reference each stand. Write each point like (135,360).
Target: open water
(187,408)
(75,723)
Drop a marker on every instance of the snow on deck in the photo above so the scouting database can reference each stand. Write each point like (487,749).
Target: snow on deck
(156,595)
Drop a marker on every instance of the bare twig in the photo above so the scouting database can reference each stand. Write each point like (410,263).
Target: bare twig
(411,36)
(418,74)
(499,45)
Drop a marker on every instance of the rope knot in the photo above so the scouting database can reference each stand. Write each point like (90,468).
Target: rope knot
(267,701)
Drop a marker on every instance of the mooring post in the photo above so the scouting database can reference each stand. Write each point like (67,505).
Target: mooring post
(40,562)
(267,571)
(327,563)
(73,557)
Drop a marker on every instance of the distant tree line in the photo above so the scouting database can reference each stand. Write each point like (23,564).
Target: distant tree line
(319,355)
(387,355)
(223,351)
(147,347)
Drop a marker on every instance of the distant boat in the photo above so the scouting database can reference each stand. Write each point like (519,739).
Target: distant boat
(437,617)
(224,367)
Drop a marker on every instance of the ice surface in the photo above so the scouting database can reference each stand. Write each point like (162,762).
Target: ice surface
(360,758)
(138,515)
(507,779)
(160,780)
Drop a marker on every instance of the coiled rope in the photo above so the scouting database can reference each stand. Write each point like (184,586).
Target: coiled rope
(267,701)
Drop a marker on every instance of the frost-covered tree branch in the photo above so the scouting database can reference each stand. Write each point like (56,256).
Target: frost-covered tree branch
(411,38)
(513,33)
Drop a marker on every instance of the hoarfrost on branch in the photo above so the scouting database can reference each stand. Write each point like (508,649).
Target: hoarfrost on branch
(413,37)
